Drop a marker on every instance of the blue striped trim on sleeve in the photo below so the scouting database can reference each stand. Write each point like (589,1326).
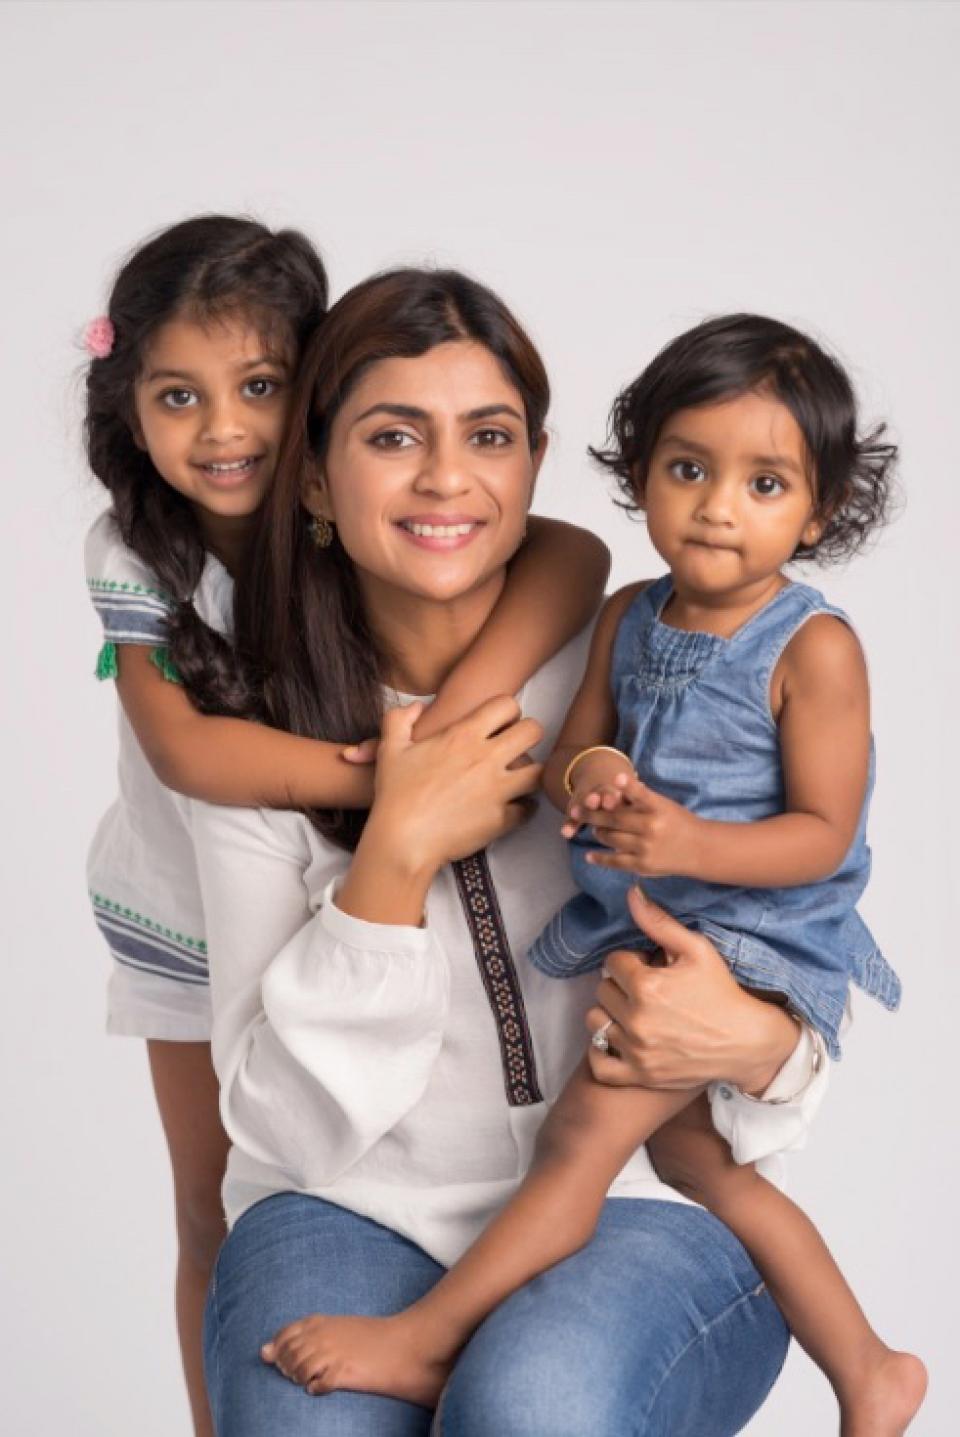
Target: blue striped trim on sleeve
(130,614)
(140,943)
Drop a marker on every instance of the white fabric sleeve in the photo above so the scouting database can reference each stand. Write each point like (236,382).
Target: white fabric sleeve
(129,603)
(778,1121)
(325,1027)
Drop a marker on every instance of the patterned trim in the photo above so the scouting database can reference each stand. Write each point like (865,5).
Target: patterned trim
(118,586)
(139,942)
(130,613)
(498,971)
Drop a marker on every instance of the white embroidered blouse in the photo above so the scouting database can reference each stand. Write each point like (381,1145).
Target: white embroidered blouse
(403,1072)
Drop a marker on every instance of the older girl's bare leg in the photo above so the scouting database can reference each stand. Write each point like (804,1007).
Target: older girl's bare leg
(187,1096)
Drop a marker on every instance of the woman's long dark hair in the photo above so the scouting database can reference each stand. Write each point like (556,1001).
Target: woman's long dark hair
(209,267)
(732,355)
(301,624)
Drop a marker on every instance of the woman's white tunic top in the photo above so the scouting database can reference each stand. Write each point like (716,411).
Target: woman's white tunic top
(403,1072)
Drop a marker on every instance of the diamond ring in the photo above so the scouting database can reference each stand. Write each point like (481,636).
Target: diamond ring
(599,1039)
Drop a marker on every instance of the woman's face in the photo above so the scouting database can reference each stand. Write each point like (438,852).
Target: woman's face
(428,475)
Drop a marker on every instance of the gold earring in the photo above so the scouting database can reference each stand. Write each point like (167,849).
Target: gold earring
(321,532)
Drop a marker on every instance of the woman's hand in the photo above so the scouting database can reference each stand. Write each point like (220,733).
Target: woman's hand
(437,800)
(446,796)
(685,1024)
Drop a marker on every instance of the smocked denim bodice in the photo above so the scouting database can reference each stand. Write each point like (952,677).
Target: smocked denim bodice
(694,717)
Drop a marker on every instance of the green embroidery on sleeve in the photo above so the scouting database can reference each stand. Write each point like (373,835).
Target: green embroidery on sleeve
(106,662)
(160,658)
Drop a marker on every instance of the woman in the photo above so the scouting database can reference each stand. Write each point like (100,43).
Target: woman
(385,1055)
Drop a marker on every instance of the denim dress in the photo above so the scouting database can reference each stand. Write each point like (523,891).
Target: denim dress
(694,717)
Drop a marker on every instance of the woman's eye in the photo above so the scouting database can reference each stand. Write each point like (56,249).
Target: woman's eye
(491,438)
(767,485)
(687,471)
(261,388)
(179,398)
(392,439)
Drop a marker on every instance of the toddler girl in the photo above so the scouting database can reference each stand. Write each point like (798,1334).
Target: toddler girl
(719,747)
(187,393)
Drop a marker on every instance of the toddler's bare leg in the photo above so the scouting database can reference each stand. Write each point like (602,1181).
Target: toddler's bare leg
(588,1136)
(879,1390)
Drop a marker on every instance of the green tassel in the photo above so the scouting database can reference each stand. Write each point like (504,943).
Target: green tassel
(161,659)
(107,662)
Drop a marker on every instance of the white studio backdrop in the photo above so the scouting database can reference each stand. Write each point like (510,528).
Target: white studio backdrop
(616,172)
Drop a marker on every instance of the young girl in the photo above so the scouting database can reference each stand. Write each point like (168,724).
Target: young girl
(187,393)
(719,746)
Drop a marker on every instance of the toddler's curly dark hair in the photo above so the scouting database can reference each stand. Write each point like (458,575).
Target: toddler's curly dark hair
(852,475)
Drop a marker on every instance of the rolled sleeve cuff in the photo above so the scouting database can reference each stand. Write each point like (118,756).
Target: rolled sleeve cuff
(778,1120)
(369,937)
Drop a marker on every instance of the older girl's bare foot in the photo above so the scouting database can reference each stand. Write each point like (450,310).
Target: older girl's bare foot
(886,1400)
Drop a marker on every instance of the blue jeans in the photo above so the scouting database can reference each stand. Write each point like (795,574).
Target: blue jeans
(661,1327)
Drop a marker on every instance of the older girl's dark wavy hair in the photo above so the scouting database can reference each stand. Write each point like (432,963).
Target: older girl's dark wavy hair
(301,622)
(737,353)
(208,268)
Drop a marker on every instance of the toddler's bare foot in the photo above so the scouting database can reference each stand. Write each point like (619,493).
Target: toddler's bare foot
(385,1355)
(886,1400)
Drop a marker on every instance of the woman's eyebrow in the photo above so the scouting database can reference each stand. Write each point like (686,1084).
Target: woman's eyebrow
(411,411)
(396,411)
(488,411)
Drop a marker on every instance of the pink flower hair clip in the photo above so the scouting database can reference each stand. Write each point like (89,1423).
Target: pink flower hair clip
(99,336)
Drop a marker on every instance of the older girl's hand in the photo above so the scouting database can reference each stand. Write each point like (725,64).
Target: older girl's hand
(687,1023)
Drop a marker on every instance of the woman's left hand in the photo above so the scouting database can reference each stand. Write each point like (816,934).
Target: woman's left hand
(688,1023)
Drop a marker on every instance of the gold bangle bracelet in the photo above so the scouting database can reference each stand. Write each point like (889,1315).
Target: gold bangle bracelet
(597,748)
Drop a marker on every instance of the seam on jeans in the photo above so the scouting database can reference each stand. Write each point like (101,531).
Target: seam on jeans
(218,1382)
(698,1337)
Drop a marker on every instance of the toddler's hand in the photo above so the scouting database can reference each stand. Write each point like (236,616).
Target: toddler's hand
(646,833)
(596,787)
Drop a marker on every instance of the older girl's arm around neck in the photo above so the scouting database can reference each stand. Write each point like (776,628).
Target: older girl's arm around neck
(228,760)
(554,584)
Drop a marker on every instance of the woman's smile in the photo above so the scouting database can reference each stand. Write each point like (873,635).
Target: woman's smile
(441,532)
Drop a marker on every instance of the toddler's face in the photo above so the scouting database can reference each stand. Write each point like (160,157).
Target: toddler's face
(729,494)
(210,406)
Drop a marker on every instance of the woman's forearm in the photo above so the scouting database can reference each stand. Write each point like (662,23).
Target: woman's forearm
(386,882)
(768,1039)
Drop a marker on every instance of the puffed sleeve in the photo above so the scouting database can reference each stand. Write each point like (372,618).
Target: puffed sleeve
(132,608)
(325,1028)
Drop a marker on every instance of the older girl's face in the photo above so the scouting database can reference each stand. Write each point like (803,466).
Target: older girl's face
(428,474)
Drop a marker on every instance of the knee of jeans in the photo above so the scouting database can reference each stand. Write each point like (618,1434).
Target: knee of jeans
(507,1388)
